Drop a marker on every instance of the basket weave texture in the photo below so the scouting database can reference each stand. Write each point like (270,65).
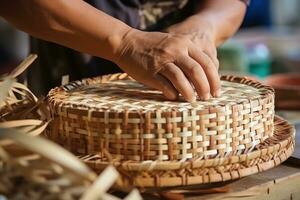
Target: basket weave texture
(131,122)
(264,156)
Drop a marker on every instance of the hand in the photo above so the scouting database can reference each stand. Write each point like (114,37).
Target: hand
(171,63)
(201,32)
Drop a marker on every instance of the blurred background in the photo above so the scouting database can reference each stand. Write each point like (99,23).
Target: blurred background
(267,48)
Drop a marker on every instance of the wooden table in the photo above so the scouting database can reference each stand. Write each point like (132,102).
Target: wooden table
(282,182)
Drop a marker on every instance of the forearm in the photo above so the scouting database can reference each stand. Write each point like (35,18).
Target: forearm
(72,23)
(225,17)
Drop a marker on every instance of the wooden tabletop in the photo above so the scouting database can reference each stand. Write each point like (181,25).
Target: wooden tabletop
(282,182)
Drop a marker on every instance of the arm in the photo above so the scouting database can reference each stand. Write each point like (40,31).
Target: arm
(225,17)
(213,23)
(72,23)
(167,62)
(219,18)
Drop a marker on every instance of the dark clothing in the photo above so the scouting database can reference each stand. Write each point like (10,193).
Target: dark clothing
(54,61)
(124,10)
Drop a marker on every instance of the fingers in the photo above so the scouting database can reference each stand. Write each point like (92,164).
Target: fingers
(160,83)
(179,81)
(212,54)
(209,68)
(198,70)
(196,75)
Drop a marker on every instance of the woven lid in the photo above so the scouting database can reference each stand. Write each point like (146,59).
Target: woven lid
(116,114)
(119,94)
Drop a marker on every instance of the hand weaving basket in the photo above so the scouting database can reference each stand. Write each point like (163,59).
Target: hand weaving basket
(154,142)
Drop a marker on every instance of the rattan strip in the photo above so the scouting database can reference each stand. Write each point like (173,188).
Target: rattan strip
(176,134)
(268,154)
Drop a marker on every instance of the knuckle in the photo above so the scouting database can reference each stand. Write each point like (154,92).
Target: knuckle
(194,70)
(208,65)
(181,58)
(177,76)
(171,51)
(165,52)
(171,72)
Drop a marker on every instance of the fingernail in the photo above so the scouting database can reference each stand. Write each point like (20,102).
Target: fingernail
(193,100)
(206,97)
(217,93)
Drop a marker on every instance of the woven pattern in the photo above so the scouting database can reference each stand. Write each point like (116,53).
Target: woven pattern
(266,155)
(116,114)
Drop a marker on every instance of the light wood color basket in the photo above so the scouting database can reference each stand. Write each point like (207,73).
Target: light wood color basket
(115,114)
(264,156)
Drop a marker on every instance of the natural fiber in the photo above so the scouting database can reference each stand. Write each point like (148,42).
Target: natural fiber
(19,107)
(32,167)
(115,114)
(35,168)
(266,155)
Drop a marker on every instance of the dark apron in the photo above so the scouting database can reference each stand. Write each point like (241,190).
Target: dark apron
(54,60)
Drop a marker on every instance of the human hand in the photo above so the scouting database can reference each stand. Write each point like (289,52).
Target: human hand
(168,62)
(201,32)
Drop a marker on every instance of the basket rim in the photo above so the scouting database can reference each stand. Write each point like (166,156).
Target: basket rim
(80,109)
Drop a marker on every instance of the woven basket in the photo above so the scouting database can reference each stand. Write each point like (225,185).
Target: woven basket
(266,155)
(115,114)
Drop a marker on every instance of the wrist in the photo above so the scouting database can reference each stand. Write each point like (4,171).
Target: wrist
(207,25)
(124,43)
(116,39)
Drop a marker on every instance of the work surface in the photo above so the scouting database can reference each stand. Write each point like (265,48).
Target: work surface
(282,182)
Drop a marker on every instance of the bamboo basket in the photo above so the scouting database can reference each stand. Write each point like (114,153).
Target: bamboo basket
(265,155)
(131,122)
(156,143)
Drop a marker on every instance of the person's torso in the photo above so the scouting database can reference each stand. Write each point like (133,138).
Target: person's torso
(139,14)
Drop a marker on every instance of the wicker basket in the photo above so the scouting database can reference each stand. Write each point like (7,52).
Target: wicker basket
(115,114)
(266,155)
